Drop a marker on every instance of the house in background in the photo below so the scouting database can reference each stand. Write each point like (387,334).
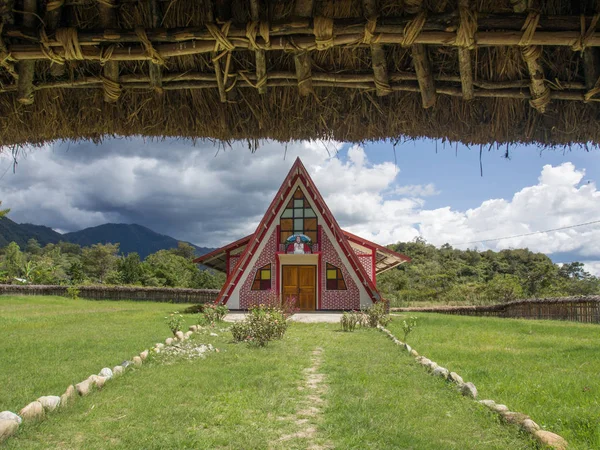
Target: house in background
(299,250)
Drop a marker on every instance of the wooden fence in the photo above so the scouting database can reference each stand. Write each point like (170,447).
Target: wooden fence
(152,294)
(584,309)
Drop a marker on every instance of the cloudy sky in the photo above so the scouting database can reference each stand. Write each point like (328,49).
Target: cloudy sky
(211,195)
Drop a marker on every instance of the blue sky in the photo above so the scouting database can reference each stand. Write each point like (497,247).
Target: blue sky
(185,191)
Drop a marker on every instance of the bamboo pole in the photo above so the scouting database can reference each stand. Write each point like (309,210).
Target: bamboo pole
(378,60)
(259,54)
(26,69)
(111,67)
(302,60)
(154,70)
(464,62)
(421,62)
(52,18)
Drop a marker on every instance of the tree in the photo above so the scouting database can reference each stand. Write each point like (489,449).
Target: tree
(13,260)
(99,259)
(170,269)
(3,212)
(33,247)
(130,268)
(184,250)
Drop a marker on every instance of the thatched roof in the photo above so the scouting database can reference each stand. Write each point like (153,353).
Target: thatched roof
(479,72)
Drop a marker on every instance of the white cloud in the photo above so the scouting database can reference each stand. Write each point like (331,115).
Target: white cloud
(593,267)
(185,191)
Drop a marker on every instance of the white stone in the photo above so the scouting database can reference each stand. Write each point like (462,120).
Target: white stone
(168,341)
(7,428)
(106,373)
(489,403)
(68,396)
(137,361)
(214,334)
(160,345)
(432,365)
(455,378)
(49,402)
(551,440)
(9,415)
(144,355)
(530,426)
(33,411)
(194,328)
(413,352)
(118,370)
(499,408)
(408,348)
(188,334)
(83,388)
(469,390)
(179,335)
(440,372)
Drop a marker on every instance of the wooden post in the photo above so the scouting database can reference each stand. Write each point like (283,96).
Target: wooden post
(26,69)
(111,68)
(154,70)
(378,60)
(303,61)
(422,63)
(261,63)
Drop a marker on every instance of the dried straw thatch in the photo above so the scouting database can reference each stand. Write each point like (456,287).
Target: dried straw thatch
(479,72)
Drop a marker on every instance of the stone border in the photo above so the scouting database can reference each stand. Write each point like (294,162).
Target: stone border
(37,410)
(468,389)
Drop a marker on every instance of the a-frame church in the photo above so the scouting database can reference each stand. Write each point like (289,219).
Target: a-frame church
(299,250)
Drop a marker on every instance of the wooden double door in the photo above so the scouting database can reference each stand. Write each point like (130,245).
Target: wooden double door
(300,282)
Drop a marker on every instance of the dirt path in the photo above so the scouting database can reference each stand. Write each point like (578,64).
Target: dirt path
(310,407)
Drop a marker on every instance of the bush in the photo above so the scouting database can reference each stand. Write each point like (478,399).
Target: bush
(408,326)
(377,315)
(262,325)
(214,313)
(174,322)
(73,292)
(349,321)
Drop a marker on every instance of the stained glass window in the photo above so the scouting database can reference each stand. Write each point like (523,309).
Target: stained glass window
(262,279)
(335,279)
(298,218)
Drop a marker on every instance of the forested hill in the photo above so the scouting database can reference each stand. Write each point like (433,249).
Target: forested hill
(130,237)
(449,276)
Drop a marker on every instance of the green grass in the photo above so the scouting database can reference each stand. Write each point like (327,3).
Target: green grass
(546,369)
(51,342)
(376,396)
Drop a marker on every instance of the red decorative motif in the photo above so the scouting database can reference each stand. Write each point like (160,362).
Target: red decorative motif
(233,259)
(249,297)
(367,262)
(348,299)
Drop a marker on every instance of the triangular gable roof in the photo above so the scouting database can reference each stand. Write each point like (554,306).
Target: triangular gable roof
(298,171)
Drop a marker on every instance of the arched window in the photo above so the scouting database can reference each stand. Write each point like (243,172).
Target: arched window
(335,279)
(298,218)
(262,279)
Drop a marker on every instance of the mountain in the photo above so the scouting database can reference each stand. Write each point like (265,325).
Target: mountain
(20,233)
(131,237)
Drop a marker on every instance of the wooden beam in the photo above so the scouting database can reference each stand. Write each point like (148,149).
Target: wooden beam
(378,59)
(108,19)
(303,61)
(26,69)
(259,55)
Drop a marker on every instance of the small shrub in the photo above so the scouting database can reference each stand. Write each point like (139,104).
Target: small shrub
(262,325)
(194,309)
(73,292)
(377,315)
(408,326)
(174,322)
(215,313)
(349,321)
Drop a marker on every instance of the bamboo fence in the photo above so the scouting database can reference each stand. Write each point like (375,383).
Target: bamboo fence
(585,309)
(151,294)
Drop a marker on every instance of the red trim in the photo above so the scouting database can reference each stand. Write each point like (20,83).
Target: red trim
(227,261)
(236,244)
(373,245)
(277,283)
(319,278)
(373,268)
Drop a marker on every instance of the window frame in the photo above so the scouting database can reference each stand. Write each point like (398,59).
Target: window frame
(339,278)
(264,284)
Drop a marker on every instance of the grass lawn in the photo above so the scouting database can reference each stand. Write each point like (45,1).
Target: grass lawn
(546,369)
(370,395)
(51,342)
